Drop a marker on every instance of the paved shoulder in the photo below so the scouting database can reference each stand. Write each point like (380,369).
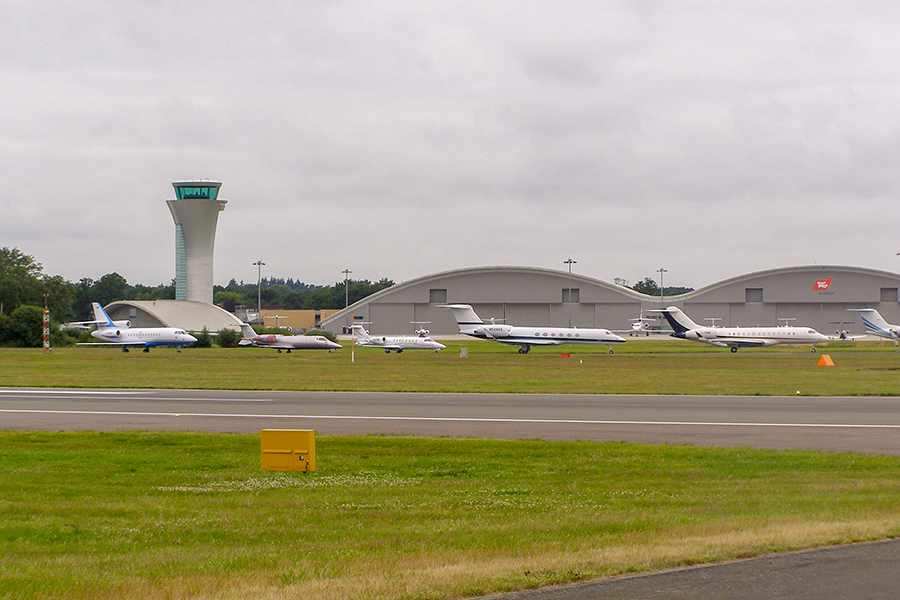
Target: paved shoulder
(868,570)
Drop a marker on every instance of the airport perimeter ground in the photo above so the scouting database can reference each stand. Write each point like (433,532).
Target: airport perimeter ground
(389,517)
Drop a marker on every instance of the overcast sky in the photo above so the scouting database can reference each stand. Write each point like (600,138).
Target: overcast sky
(400,139)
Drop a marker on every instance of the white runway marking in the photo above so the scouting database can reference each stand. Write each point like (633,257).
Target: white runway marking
(455,419)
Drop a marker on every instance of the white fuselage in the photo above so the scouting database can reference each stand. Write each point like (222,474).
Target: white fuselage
(541,336)
(738,337)
(144,336)
(525,337)
(753,336)
(290,342)
(398,343)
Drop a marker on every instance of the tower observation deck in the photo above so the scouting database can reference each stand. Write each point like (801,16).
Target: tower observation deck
(196,211)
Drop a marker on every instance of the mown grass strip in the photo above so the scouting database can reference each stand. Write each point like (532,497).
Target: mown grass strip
(135,515)
(654,367)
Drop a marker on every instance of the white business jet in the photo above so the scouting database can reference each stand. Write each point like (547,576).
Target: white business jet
(526,337)
(738,337)
(876,325)
(398,343)
(285,342)
(120,333)
(638,326)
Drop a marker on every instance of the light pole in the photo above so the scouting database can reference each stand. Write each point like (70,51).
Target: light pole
(346,273)
(570,262)
(259,264)
(662,293)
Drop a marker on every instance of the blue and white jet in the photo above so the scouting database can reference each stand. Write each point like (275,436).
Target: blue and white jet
(120,333)
(876,325)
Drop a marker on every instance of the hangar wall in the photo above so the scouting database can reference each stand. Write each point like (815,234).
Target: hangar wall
(817,296)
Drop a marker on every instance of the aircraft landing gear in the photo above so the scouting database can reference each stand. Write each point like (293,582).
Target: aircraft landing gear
(610,349)
(733,349)
(147,349)
(124,348)
(524,349)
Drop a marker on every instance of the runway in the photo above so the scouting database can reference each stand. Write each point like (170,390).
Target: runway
(855,424)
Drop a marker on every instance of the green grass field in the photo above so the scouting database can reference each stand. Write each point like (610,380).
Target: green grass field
(646,367)
(185,515)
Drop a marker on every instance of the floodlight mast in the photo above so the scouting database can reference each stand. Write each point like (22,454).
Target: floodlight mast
(570,262)
(260,264)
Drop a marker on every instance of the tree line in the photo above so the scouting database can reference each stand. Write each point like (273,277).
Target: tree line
(24,287)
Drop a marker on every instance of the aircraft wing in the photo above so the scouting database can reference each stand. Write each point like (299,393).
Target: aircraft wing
(529,341)
(276,345)
(119,344)
(86,325)
(739,343)
(372,344)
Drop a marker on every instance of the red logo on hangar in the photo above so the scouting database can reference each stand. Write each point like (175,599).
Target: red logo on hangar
(822,284)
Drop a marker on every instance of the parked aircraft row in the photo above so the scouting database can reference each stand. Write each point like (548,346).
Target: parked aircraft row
(120,333)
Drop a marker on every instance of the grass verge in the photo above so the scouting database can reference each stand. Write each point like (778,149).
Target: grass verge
(135,515)
(646,367)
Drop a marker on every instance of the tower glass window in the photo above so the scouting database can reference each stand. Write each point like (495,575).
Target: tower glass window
(204,192)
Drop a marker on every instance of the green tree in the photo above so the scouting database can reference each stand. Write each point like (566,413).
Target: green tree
(109,288)
(60,296)
(204,340)
(647,286)
(26,327)
(19,280)
(228,338)
(226,299)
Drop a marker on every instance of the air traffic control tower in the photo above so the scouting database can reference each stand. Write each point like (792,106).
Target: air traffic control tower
(196,211)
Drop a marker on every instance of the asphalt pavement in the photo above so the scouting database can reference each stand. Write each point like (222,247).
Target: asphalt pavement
(869,571)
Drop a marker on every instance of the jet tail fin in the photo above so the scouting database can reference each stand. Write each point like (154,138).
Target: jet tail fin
(465,315)
(247,334)
(101,317)
(874,322)
(359,332)
(679,321)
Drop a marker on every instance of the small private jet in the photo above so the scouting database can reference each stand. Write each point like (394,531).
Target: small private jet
(738,337)
(526,337)
(285,342)
(876,325)
(121,333)
(397,343)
